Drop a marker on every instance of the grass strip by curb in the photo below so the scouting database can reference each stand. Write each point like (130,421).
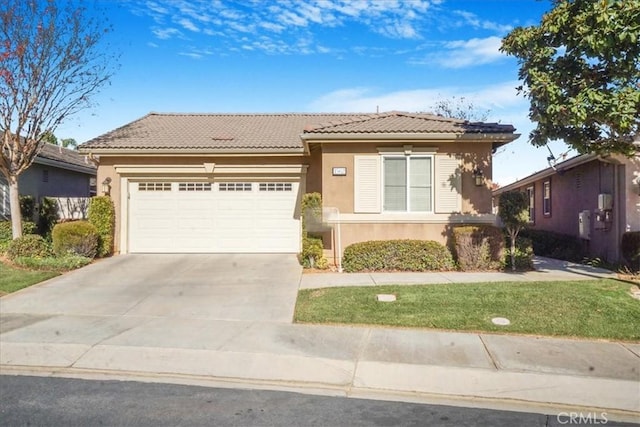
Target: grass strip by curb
(585,309)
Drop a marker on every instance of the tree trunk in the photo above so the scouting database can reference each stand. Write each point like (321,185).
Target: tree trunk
(14,203)
(513,253)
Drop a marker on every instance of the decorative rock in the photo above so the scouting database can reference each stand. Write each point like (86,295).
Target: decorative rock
(386,297)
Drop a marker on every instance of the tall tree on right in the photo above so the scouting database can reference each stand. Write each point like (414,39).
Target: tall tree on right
(580,69)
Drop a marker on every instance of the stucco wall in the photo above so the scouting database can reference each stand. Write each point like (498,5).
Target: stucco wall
(338,190)
(577,189)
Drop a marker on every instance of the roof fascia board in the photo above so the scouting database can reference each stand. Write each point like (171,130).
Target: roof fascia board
(408,137)
(64,165)
(187,153)
(564,166)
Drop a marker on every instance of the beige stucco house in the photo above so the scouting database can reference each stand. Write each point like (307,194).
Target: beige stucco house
(234,182)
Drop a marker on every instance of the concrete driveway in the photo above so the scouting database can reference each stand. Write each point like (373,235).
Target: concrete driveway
(256,287)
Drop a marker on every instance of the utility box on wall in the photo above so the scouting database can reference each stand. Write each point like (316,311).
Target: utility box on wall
(605,202)
(584,224)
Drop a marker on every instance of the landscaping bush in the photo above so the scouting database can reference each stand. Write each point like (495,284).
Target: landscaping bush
(77,237)
(102,216)
(523,255)
(630,246)
(64,263)
(397,255)
(47,216)
(478,247)
(312,255)
(29,245)
(27,207)
(6,233)
(556,245)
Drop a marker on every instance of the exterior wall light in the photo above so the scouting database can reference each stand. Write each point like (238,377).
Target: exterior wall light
(478,177)
(106,186)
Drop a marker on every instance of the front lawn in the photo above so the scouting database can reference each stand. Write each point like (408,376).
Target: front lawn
(588,309)
(13,279)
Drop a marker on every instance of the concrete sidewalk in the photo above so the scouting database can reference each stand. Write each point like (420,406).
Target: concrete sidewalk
(533,374)
(545,269)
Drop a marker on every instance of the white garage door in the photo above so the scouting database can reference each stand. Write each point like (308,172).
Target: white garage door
(213,217)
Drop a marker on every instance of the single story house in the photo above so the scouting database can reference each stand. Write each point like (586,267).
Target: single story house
(594,198)
(55,172)
(234,182)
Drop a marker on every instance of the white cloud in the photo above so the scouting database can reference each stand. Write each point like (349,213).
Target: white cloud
(188,25)
(166,33)
(473,20)
(466,53)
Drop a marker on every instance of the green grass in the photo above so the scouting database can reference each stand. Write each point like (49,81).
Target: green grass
(587,309)
(13,279)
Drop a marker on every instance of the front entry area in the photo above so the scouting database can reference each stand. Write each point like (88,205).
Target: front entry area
(213,217)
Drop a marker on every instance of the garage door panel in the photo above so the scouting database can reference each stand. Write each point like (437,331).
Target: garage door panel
(241,218)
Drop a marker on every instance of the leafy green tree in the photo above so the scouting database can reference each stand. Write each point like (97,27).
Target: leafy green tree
(581,73)
(513,209)
(69,143)
(51,64)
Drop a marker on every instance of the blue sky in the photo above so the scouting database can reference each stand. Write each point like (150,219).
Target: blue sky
(255,56)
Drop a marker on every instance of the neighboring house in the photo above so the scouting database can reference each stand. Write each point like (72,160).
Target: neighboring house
(234,182)
(590,197)
(55,172)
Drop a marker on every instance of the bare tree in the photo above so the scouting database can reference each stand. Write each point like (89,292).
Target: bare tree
(51,65)
(460,108)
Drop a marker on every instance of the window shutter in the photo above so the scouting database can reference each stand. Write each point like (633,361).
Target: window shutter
(448,184)
(366,197)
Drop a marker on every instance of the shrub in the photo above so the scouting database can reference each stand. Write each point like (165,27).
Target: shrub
(397,255)
(102,216)
(47,216)
(630,246)
(478,247)
(523,255)
(6,233)
(556,245)
(77,237)
(27,207)
(312,254)
(29,245)
(65,263)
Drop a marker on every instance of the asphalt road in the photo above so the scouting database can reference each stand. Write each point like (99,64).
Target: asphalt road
(44,401)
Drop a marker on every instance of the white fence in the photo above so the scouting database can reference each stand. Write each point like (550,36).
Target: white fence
(71,207)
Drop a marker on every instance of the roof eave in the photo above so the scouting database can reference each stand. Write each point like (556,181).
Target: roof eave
(64,165)
(180,152)
(501,138)
(564,166)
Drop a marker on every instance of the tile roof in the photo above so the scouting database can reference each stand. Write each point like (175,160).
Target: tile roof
(64,155)
(267,132)
(400,122)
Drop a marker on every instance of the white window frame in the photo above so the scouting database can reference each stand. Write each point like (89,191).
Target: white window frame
(408,187)
(531,196)
(546,201)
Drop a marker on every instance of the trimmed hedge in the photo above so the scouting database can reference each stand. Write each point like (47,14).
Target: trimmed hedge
(397,255)
(630,246)
(556,245)
(29,245)
(76,238)
(102,215)
(479,247)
